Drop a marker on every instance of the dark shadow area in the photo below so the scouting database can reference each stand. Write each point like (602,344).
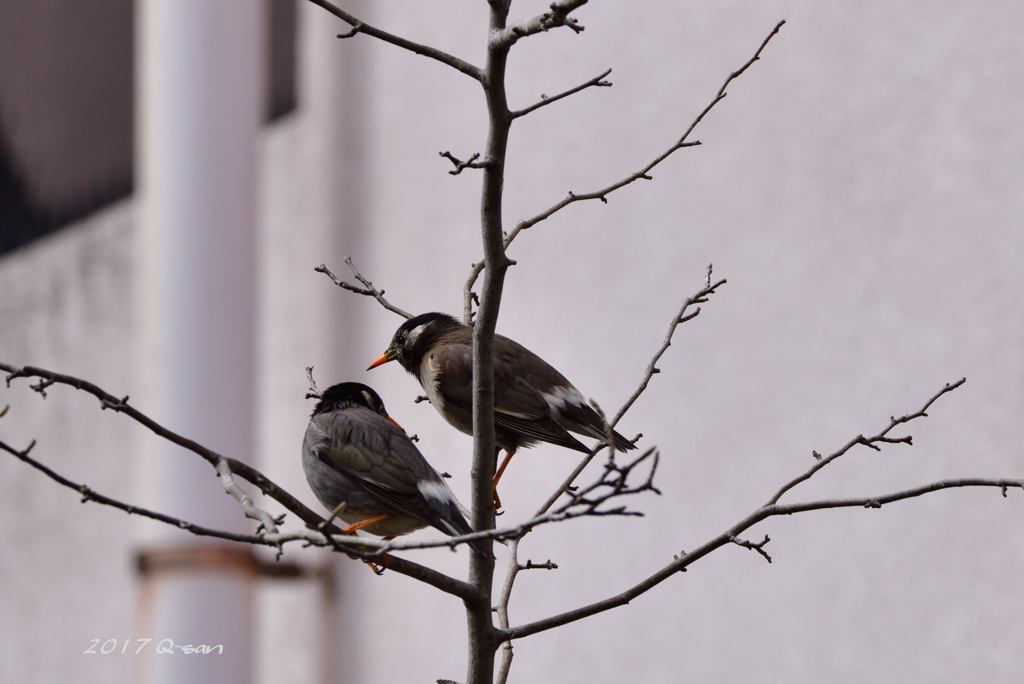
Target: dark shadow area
(66,107)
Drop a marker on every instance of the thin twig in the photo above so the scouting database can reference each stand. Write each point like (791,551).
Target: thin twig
(313,392)
(758,546)
(870,442)
(461,165)
(596,82)
(684,315)
(546,565)
(642,174)
(367,289)
(556,16)
(361,27)
(89,494)
(593,500)
(514,568)
(268,524)
(505,662)
(356,28)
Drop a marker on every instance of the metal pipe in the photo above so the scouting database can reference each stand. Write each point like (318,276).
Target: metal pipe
(199,104)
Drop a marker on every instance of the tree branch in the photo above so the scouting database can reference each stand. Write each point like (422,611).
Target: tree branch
(596,82)
(439,580)
(89,494)
(505,663)
(556,16)
(684,560)
(318,534)
(758,546)
(367,289)
(267,522)
(359,26)
(352,546)
(870,442)
(699,297)
(643,173)
(768,510)
(514,568)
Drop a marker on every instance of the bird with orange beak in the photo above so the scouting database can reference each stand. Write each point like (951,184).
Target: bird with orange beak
(364,468)
(533,402)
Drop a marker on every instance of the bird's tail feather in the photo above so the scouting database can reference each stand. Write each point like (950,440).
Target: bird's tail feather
(455,525)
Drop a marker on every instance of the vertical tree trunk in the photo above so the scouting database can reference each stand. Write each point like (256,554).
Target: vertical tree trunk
(482,641)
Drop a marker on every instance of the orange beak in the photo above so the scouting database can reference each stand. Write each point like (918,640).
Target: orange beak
(387,356)
(395,423)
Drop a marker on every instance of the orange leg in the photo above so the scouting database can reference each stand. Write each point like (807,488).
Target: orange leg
(385,558)
(378,568)
(498,474)
(354,527)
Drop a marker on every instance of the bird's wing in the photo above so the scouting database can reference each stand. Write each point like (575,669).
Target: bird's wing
(565,404)
(384,462)
(518,405)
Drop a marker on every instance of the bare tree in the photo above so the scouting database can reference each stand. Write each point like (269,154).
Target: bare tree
(612,484)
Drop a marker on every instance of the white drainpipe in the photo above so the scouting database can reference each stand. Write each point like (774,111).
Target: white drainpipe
(200,67)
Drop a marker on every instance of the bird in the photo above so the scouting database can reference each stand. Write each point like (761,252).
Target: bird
(533,402)
(363,467)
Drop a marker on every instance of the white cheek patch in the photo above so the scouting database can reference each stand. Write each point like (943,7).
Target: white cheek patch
(414,334)
(558,397)
(434,491)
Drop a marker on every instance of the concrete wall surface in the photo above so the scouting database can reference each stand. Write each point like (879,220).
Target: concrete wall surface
(860,189)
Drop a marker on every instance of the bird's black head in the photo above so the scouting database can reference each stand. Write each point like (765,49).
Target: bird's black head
(414,337)
(349,395)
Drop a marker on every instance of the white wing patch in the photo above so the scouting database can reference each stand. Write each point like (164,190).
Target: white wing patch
(434,491)
(558,397)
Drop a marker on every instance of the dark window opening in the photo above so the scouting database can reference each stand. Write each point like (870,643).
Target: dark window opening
(66,107)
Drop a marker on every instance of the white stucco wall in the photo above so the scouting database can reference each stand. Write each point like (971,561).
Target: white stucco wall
(858,187)
(66,575)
